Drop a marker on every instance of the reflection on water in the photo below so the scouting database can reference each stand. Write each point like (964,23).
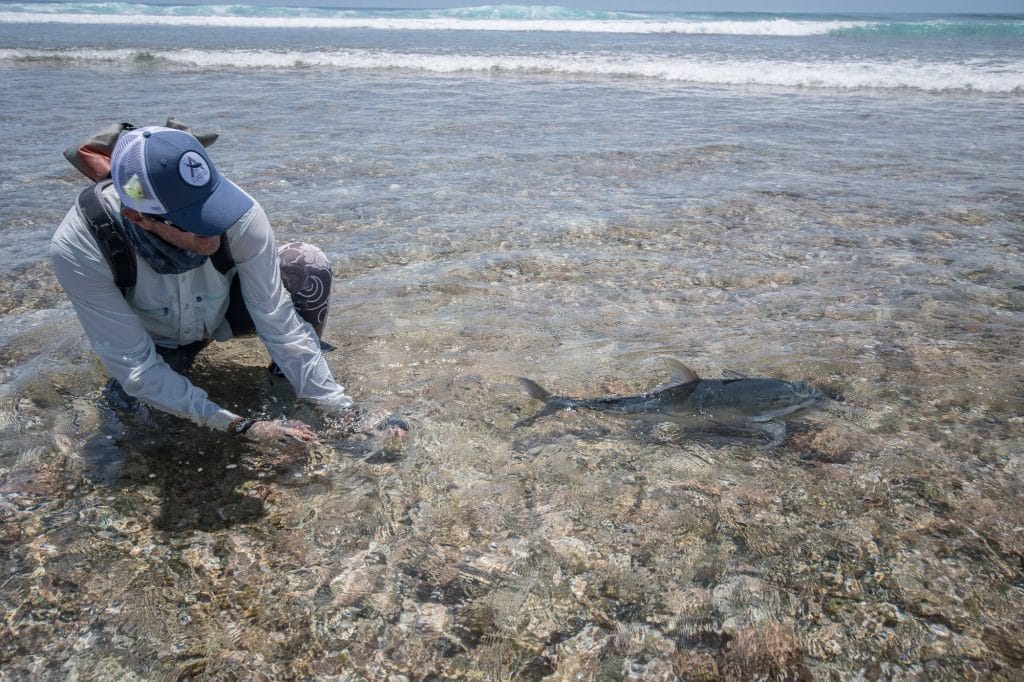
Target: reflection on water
(883,539)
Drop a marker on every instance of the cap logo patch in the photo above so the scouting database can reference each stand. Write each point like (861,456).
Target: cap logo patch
(133,188)
(193,169)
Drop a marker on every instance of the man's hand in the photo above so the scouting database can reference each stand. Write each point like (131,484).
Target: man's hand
(282,433)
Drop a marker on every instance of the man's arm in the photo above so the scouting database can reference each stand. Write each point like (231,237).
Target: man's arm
(291,341)
(116,334)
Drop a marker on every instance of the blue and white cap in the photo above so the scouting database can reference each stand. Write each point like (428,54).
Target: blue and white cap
(167,172)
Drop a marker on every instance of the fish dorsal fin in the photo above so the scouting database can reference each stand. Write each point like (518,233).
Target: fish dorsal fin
(680,372)
(734,376)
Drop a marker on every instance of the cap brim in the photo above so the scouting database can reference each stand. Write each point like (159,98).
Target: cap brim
(216,213)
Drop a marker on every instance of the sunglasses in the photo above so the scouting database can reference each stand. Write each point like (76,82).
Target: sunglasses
(160,219)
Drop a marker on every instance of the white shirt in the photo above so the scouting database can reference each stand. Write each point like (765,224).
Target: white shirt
(175,310)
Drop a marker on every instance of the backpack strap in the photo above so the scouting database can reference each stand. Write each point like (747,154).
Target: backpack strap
(120,256)
(222,259)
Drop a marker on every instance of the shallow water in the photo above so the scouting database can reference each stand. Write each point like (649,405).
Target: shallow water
(572,230)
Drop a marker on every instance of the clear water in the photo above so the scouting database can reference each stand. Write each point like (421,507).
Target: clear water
(836,199)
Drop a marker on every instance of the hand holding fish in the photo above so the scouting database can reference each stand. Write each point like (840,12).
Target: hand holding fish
(357,420)
(282,433)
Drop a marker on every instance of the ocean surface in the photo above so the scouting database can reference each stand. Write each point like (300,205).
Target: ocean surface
(511,191)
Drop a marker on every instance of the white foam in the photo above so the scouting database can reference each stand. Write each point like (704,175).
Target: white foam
(765,27)
(909,74)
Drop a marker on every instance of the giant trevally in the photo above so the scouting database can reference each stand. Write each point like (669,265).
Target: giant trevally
(735,403)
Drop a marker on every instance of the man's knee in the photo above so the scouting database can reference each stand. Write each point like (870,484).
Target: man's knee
(305,270)
(307,277)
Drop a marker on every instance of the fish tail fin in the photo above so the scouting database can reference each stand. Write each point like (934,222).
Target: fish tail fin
(536,391)
(552,403)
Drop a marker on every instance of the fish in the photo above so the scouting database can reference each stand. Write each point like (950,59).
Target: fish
(367,439)
(735,403)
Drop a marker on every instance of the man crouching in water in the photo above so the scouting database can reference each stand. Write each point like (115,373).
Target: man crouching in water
(182,222)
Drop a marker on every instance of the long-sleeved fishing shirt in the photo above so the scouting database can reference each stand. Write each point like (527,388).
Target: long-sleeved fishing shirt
(177,309)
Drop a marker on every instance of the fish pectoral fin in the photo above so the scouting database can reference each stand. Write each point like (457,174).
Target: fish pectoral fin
(776,429)
(680,372)
(731,375)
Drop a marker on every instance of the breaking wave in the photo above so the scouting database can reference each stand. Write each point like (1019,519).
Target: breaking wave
(483,18)
(981,76)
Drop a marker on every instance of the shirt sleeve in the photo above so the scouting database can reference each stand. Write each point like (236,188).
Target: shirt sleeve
(117,336)
(289,339)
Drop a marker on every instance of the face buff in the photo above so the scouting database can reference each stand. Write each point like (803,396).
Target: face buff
(161,256)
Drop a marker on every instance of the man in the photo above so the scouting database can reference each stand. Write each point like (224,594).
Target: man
(170,204)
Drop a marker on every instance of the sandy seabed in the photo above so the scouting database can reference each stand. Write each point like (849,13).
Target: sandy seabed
(884,540)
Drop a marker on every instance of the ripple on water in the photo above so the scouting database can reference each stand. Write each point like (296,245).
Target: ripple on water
(883,538)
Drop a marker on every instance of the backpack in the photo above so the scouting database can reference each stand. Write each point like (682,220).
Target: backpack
(92,158)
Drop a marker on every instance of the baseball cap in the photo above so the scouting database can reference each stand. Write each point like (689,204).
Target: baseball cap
(167,172)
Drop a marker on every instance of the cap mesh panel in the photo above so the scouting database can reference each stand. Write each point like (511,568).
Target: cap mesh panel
(128,170)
